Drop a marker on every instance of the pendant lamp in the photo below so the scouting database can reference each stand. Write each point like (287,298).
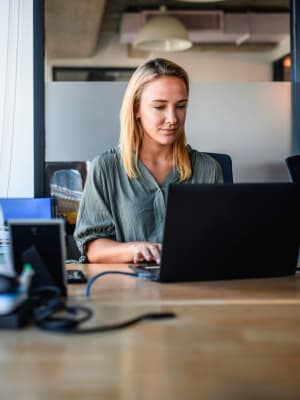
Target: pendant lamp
(201,1)
(163,33)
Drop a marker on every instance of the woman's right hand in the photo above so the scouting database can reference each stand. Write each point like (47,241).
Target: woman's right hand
(104,250)
(146,251)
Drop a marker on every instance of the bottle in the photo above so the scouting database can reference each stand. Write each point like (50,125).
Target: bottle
(6,265)
(26,277)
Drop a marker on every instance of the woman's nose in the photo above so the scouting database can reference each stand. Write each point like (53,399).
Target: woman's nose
(171,116)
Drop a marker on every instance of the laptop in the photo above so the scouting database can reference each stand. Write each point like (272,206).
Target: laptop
(228,231)
(40,242)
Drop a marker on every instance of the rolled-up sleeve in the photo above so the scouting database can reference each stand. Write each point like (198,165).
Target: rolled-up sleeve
(94,218)
(218,174)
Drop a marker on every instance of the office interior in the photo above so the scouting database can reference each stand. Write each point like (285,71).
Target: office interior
(64,69)
(235,107)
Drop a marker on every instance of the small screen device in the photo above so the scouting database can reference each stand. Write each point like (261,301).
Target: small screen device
(40,242)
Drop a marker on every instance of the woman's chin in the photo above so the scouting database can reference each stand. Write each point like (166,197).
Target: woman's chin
(170,139)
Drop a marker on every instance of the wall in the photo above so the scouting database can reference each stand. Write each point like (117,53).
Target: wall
(203,65)
(234,107)
(16,98)
(250,121)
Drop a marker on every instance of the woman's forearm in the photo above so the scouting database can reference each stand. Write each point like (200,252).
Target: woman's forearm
(110,251)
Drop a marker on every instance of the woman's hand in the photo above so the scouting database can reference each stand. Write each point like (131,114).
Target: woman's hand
(146,251)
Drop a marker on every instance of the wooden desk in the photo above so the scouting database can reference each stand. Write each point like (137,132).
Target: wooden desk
(231,340)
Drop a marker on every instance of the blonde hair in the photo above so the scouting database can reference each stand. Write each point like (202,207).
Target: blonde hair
(131,135)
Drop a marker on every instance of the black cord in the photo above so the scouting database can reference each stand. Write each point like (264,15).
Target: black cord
(56,327)
(47,302)
(64,324)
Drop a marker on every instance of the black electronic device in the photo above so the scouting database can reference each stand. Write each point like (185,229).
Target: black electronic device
(228,231)
(40,242)
(75,276)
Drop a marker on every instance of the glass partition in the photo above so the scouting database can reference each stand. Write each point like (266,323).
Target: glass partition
(250,121)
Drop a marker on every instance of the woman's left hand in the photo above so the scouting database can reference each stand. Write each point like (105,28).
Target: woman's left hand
(146,251)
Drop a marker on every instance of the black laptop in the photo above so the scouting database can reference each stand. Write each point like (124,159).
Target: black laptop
(228,231)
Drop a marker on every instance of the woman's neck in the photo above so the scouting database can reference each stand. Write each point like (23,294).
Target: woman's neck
(156,153)
(159,161)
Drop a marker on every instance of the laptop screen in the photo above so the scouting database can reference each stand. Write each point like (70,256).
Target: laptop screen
(14,208)
(226,231)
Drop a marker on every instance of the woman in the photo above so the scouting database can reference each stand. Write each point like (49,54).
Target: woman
(122,211)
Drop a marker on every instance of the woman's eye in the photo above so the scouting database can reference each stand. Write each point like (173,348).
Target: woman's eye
(181,106)
(159,107)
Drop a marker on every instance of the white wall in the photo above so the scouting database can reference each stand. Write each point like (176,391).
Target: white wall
(202,65)
(250,121)
(234,107)
(16,98)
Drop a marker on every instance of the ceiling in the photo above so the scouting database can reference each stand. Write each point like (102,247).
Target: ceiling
(73,27)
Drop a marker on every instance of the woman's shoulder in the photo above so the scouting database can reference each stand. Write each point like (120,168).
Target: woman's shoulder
(205,168)
(200,157)
(107,158)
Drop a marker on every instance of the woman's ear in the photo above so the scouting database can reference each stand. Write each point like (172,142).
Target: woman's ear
(136,111)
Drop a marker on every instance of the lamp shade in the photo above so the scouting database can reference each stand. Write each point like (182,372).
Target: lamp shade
(201,1)
(163,33)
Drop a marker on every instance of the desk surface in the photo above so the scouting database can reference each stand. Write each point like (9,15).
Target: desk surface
(230,340)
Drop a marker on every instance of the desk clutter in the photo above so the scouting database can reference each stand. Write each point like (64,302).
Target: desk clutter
(33,281)
(228,231)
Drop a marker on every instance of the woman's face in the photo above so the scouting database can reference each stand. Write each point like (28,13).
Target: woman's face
(162,109)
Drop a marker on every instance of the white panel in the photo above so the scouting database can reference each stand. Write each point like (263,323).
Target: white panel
(4,18)
(16,106)
(23,150)
(249,121)
(82,119)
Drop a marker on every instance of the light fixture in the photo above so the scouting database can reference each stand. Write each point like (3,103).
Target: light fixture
(201,1)
(163,33)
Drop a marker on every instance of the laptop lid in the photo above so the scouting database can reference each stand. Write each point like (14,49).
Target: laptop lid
(230,231)
(40,242)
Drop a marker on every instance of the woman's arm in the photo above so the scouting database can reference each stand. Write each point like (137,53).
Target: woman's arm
(110,251)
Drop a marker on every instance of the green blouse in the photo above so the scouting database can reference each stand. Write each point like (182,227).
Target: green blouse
(117,207)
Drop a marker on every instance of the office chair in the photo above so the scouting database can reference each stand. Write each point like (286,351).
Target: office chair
(226,164)
(293,164)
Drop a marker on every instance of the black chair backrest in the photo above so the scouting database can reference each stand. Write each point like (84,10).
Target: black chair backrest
(293,164)
(226,164)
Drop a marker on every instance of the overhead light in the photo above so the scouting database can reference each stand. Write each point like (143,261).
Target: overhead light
(163,33)
(201,1)
(287,62)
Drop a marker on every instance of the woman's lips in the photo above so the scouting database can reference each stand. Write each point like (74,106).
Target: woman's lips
(169,131)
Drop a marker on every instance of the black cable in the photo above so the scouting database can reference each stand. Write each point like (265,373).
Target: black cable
(63,324)
(47,302)
(57,328)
